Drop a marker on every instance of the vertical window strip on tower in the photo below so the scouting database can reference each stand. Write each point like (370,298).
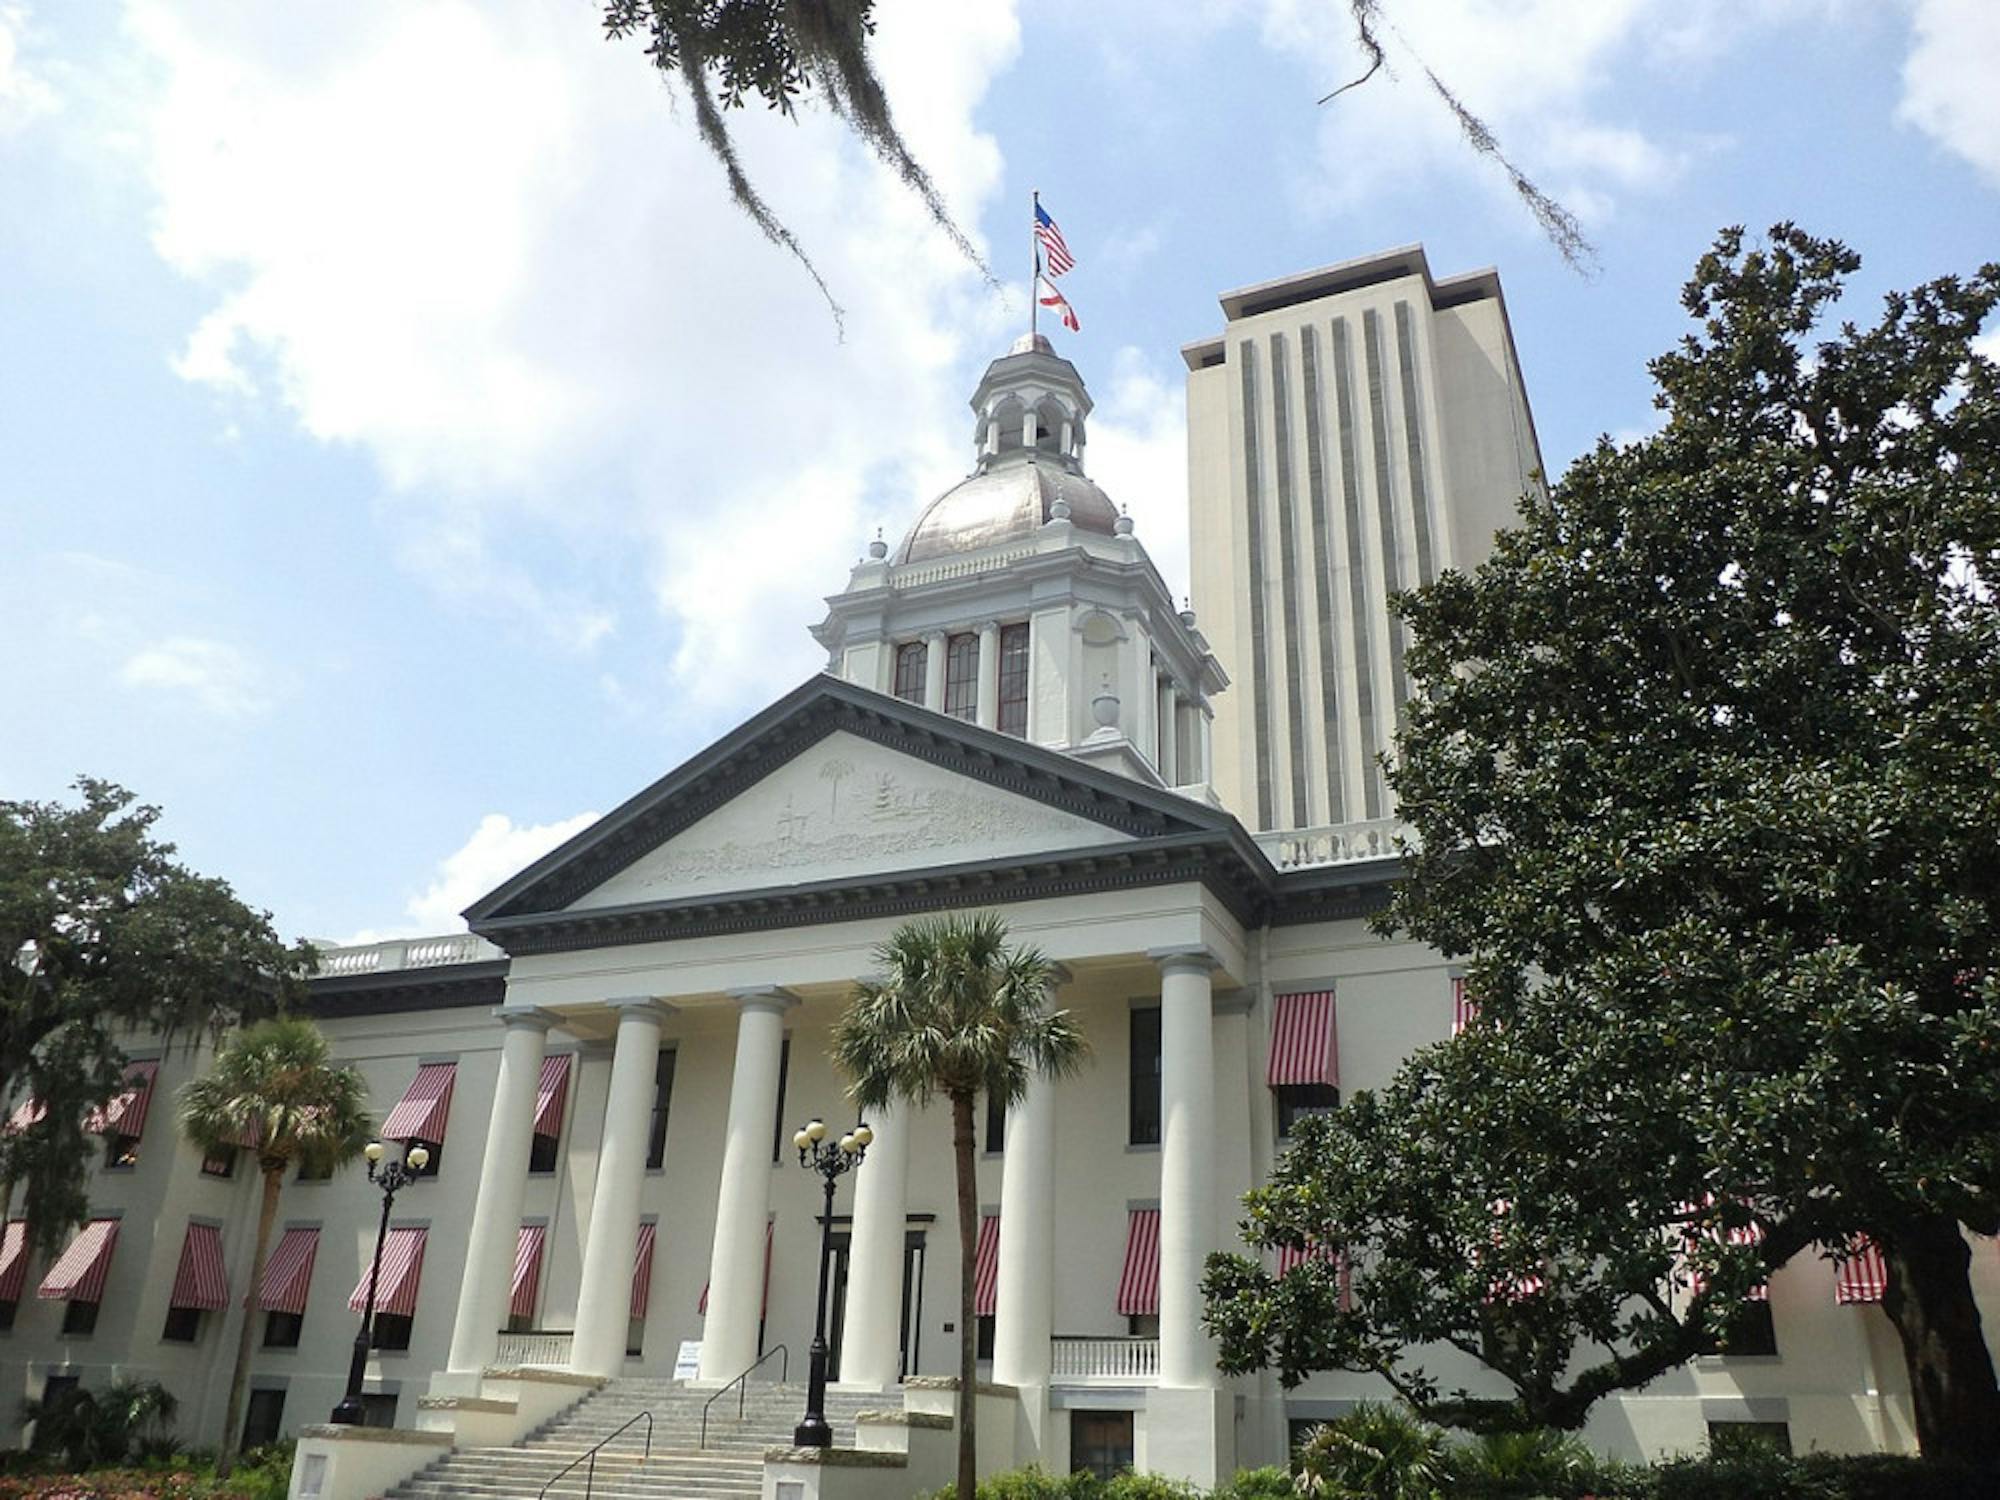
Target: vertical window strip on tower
(1260,685)
(961,676)
(1359,616)
(1336,807)
(1393,578)
(1014,680)
(1413,439)
(1288,580)
(911,661)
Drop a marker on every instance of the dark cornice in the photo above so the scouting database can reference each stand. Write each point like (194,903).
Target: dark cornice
(793,724)
(397,990)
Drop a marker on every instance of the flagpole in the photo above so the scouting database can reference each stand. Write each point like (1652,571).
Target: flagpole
(1035,263)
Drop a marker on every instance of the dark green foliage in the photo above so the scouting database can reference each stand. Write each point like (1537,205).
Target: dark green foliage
(1268,1483)
(1526,1464)
(86,1428)
(723,52)
(1374,1452)
(1702,762)
(113,936)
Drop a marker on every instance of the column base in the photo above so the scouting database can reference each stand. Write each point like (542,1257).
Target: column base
(1190,1434)
(351,1463)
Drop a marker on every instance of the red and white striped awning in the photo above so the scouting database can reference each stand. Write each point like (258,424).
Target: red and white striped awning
(1139,1283)
(642,1271)
(288,1273)
(1304,1048)
(421,1113)
(402,1269)
(1739,1236)
(986,1267)
(79,1272)
(527,1270)
(550,1092)
(126,1114)
(1864,1276)
(30,1111)
(764,1307)
(1463,1007)
(202,1281)
(14,1260)
(1290,1256)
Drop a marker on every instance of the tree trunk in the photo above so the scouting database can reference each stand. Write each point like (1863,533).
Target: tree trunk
(968,1272)
(253,1297)
(1929,1299)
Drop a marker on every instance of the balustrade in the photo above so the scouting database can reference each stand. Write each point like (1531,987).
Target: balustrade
(1085,1359)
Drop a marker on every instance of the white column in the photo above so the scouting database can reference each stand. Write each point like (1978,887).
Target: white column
(503,1184)
(933,676)
(1204,724)
(988,706)
(1023,1301)
(1170,739)
(1187,1161)
(871,1337)
(742,1207)
(611,1243)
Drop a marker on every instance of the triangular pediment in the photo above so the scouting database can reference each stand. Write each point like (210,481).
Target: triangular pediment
(833,790)
(847,807)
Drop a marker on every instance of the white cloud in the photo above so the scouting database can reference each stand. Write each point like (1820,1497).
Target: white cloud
(497,850)
(25,94)
(483,246)
(221,678)
(1949,79)
(1138,453)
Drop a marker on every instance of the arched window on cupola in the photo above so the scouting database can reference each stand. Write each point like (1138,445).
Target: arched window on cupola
(1003,426)
(1050,421)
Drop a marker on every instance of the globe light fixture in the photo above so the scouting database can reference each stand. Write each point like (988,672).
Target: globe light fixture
(831,1161)
(392,1179)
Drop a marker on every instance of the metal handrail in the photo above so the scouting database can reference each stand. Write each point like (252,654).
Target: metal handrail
(590,1474)
(742,1383)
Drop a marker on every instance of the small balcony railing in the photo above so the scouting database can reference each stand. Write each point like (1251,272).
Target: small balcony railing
(535,1349)
(1091,1359)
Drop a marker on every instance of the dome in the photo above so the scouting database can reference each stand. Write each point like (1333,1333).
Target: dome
(1008,502)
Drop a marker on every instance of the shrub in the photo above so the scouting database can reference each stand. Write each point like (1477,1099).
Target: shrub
(1035,1483)
(1527,1464)
(1373,1453)
(1270,1483)
(1131,1486)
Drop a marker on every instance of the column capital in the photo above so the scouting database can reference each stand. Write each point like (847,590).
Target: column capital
(643,1005)
(527,1017)
(989,625)
(934,635)
(763,997)
(1185,958)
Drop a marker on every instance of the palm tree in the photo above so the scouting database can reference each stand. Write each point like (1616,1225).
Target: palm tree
(274,1091)
(956,1013)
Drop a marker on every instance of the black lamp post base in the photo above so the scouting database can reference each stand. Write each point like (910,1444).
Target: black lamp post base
(813,1432)
(349,1413)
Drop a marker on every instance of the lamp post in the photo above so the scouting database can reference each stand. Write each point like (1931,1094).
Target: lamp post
(392,1179)
(830,1159)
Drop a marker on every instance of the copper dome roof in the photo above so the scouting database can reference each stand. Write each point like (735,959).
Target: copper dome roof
(1008,502)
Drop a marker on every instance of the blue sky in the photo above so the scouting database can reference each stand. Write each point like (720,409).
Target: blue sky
(407,452)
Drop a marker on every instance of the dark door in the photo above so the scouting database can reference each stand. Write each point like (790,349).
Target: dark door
(913,1300)
(836,1296)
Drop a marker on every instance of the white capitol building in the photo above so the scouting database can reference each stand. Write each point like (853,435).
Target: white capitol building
(1180,806)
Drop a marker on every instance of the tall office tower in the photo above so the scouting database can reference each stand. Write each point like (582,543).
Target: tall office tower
(1353,431)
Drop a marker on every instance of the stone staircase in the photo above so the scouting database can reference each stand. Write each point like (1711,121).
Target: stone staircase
(730,1467)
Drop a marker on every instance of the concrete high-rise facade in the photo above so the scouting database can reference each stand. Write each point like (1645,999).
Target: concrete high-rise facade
(1352,432)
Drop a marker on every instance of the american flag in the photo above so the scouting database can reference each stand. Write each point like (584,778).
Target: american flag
(1050,239)
(1050,297)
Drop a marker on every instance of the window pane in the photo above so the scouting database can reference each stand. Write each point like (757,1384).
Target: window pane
(663,1098)
(263,1418)
(780,1135)
(281,1329)
(1014,680)
(996,1123)
(1145,1102)
(910,666)
(961,676)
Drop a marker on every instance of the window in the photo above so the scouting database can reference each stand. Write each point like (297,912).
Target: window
(1100,1442)
(1145,1100)
(80,1317)
(635,1337)
(1740,1437)
(7,1309)
(281,1329)
(221,1162)
(912,662)
(1143,1325)
(1297,1100)
(391,1332)
(310,1171)
(378,1409)
(1014,680)
(183,1325)
(961,676)
(983,1328)
(996,1125)
(663,1098)
(543,1152)
(779,1135)
(121,1151)
(1751,1332)
(264,1418)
